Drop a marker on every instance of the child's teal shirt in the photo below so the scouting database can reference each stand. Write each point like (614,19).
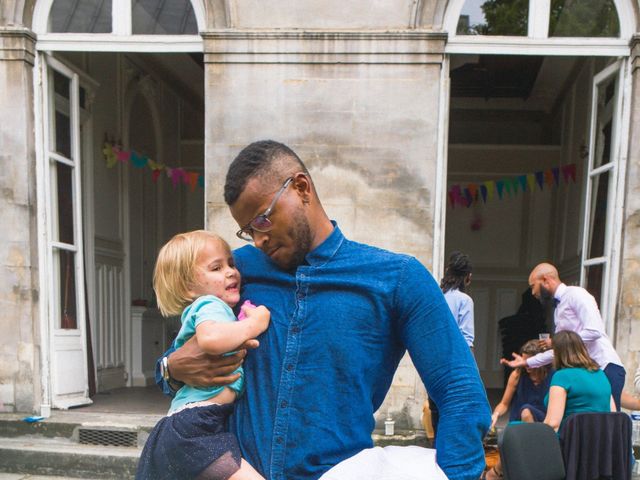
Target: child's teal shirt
(203,309)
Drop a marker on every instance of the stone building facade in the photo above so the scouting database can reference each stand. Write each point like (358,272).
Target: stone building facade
(390,104)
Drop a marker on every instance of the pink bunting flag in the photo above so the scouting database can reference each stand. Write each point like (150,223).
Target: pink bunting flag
(569,172)
(123,155)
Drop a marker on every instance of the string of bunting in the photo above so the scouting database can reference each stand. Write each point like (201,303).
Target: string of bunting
(114,154)
(466,195)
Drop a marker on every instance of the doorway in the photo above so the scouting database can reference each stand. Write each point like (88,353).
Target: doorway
(526,137)
(141,144)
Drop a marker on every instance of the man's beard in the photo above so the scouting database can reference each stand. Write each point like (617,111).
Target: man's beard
(300,232)
(546,297)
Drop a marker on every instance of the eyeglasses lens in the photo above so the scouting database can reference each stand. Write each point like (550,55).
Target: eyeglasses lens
(261,224)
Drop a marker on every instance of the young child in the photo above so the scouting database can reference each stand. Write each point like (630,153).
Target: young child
(195,275)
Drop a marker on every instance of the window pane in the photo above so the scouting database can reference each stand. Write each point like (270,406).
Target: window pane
(583,18)
(494,17)
(80,16)
(68,317)
(594,275)
(604,119)
(64,174)
(163,17)
(63,135)
(598,220)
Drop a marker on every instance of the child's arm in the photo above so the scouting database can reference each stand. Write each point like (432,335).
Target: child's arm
(218,338)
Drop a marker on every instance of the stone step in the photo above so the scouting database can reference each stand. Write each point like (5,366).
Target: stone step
(82,427)
(62,457)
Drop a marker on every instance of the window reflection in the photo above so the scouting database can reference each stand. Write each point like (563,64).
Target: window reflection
(80,16)
(158,17)
(494,17)
(583,18)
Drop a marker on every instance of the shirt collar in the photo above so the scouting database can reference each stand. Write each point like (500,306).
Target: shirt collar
(327,249)
(560,291)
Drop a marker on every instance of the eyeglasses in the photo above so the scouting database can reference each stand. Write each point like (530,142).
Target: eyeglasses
(261,223)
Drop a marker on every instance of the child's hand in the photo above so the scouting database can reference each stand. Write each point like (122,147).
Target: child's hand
(258,316)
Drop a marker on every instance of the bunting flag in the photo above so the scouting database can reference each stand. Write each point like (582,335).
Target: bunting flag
(114,154)
(467,195)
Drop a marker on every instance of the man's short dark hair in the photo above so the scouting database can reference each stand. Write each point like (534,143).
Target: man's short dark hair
(256,160)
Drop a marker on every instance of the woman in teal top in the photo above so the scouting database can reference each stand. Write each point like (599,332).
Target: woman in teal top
(578,385)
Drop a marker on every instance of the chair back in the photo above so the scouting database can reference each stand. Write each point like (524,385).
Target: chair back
(596,445)
(531,451)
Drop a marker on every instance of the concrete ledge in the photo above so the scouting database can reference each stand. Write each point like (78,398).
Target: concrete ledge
(329,47)
(58,457)
(17,44)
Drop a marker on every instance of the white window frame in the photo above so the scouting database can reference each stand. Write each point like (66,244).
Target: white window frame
(615,191)
(121,39)
(537,41)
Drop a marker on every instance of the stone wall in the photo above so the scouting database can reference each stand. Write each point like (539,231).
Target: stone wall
(628,312)
(360,109)
(19,292)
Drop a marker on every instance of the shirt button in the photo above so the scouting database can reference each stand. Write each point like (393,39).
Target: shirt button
(279,440)
(295,330)
(284,404)
(300,295)
(289,367)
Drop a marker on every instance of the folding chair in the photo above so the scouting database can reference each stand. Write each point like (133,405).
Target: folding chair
(597,445)
(531,451)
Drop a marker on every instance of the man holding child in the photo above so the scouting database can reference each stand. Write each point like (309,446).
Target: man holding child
(342,316)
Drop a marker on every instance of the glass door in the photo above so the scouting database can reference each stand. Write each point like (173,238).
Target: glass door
(68,349)
(601,188)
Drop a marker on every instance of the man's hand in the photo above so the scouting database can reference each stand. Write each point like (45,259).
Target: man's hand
(518,361)
(191,365)
(545,344)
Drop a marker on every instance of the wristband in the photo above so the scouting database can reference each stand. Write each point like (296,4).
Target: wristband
(164,369)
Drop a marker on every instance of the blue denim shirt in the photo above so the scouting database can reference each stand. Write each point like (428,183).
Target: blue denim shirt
(339,326)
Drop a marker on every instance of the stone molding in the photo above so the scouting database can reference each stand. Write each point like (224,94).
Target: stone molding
(17,44)
(634,44)
(324,47)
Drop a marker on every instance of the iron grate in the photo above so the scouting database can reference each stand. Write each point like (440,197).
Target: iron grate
(113,438)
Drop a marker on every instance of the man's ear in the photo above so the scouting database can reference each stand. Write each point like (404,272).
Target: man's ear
(302,185)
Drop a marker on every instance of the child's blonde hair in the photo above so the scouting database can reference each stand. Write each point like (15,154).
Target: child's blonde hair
(174,274)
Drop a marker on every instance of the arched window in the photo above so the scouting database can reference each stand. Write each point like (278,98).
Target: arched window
(147,17)
(132,25)
(568,27)
(567,18)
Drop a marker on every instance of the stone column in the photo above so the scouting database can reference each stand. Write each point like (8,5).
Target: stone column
(628,319)
(361,110)
(19,321)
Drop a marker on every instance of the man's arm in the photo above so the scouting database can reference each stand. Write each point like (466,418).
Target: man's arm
(191,365)
(448,370)
(587,313)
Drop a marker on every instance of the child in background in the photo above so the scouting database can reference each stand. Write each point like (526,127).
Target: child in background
(195,275)
(525,391)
